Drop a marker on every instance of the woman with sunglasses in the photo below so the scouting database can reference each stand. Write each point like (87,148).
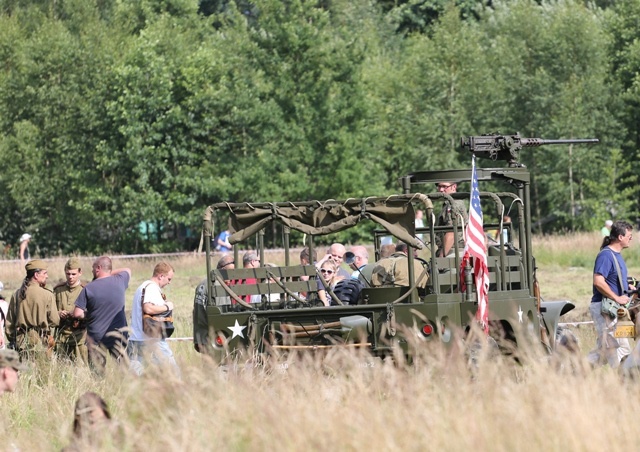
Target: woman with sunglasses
(328,272)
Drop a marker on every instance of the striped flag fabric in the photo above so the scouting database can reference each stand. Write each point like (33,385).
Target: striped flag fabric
(474,247)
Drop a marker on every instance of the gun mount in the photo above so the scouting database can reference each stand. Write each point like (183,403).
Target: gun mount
(507,147)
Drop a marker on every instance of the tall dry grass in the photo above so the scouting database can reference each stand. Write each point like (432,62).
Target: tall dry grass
(341,400)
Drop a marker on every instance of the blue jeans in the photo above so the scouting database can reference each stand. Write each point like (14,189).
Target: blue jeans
(155,350)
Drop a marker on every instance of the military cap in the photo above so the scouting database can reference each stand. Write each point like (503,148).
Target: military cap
(72,264)
(36,264)
(10,358)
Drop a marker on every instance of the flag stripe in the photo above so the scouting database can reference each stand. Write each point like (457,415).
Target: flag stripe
(474,247)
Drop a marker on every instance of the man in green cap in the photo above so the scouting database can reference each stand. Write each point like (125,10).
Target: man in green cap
(71,336)
(450,212)
(10,365)
(32,312)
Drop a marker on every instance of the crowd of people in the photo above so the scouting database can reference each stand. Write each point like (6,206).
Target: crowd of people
(332,270)
(86,322)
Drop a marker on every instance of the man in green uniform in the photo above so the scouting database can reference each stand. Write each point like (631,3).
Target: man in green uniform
(394,270)
(32,312)
(445,241)
(71,336)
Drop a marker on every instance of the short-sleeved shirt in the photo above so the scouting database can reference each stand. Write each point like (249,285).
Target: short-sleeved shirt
(152,294)
(606,267)
(224,236)
(448,213)
(103,301)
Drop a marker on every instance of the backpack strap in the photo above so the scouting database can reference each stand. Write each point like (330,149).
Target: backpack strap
(142,304)
(615,261)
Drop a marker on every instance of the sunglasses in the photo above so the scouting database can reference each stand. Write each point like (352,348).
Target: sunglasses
(324,270)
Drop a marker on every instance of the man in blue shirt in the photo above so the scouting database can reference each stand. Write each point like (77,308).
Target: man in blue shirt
(610,281)
(101,303)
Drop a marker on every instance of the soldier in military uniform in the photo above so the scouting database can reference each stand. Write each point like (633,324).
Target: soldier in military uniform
(32,312)
(449,212)
(71,335)
(394,270)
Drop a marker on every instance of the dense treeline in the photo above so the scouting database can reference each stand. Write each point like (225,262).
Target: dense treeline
(117,114)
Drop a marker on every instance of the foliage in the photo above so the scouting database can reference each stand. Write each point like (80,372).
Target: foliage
(121,114)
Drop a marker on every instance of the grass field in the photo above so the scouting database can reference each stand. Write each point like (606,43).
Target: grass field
(341,401)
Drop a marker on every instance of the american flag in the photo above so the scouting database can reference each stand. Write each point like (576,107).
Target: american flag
(474,246)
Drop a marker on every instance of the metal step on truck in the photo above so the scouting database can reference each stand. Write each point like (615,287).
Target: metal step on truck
(267,310)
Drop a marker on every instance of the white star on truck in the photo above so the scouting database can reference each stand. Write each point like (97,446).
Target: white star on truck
(237,330)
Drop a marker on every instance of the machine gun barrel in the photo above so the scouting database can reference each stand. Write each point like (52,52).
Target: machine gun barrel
(506,147)
(533,142)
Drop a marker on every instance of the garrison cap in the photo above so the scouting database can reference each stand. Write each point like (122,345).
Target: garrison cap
(36,264)
(10,358)
(72,264)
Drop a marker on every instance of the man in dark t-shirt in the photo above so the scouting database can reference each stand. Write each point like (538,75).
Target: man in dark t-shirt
(101,303)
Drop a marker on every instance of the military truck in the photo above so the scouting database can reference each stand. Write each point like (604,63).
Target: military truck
(286,314)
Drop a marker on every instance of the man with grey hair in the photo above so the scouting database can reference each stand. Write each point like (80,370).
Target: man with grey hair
(606,229)
(249,260)
(361,266)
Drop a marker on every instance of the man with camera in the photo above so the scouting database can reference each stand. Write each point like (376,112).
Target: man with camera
(150,307)
(610,281)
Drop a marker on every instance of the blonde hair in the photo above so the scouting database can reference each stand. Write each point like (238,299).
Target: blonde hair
(162,268)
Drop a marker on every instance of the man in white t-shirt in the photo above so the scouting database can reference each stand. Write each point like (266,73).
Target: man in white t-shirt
(149,299)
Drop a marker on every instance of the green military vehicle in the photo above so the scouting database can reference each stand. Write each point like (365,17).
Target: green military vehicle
(286,314)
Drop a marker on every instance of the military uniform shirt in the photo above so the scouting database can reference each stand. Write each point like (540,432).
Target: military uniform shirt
(448,213)
(394,271)
(37,310)
(66,296)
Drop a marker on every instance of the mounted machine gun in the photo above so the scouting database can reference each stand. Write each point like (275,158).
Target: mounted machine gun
(507,147)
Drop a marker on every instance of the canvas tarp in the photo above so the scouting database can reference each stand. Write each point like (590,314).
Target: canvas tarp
(395,214)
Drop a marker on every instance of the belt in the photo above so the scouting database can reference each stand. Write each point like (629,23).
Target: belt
(41,331)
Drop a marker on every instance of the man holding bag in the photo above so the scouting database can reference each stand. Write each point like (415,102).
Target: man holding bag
(149,322)
(610,281)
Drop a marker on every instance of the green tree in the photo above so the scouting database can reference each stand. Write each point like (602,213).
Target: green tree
(554,76)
